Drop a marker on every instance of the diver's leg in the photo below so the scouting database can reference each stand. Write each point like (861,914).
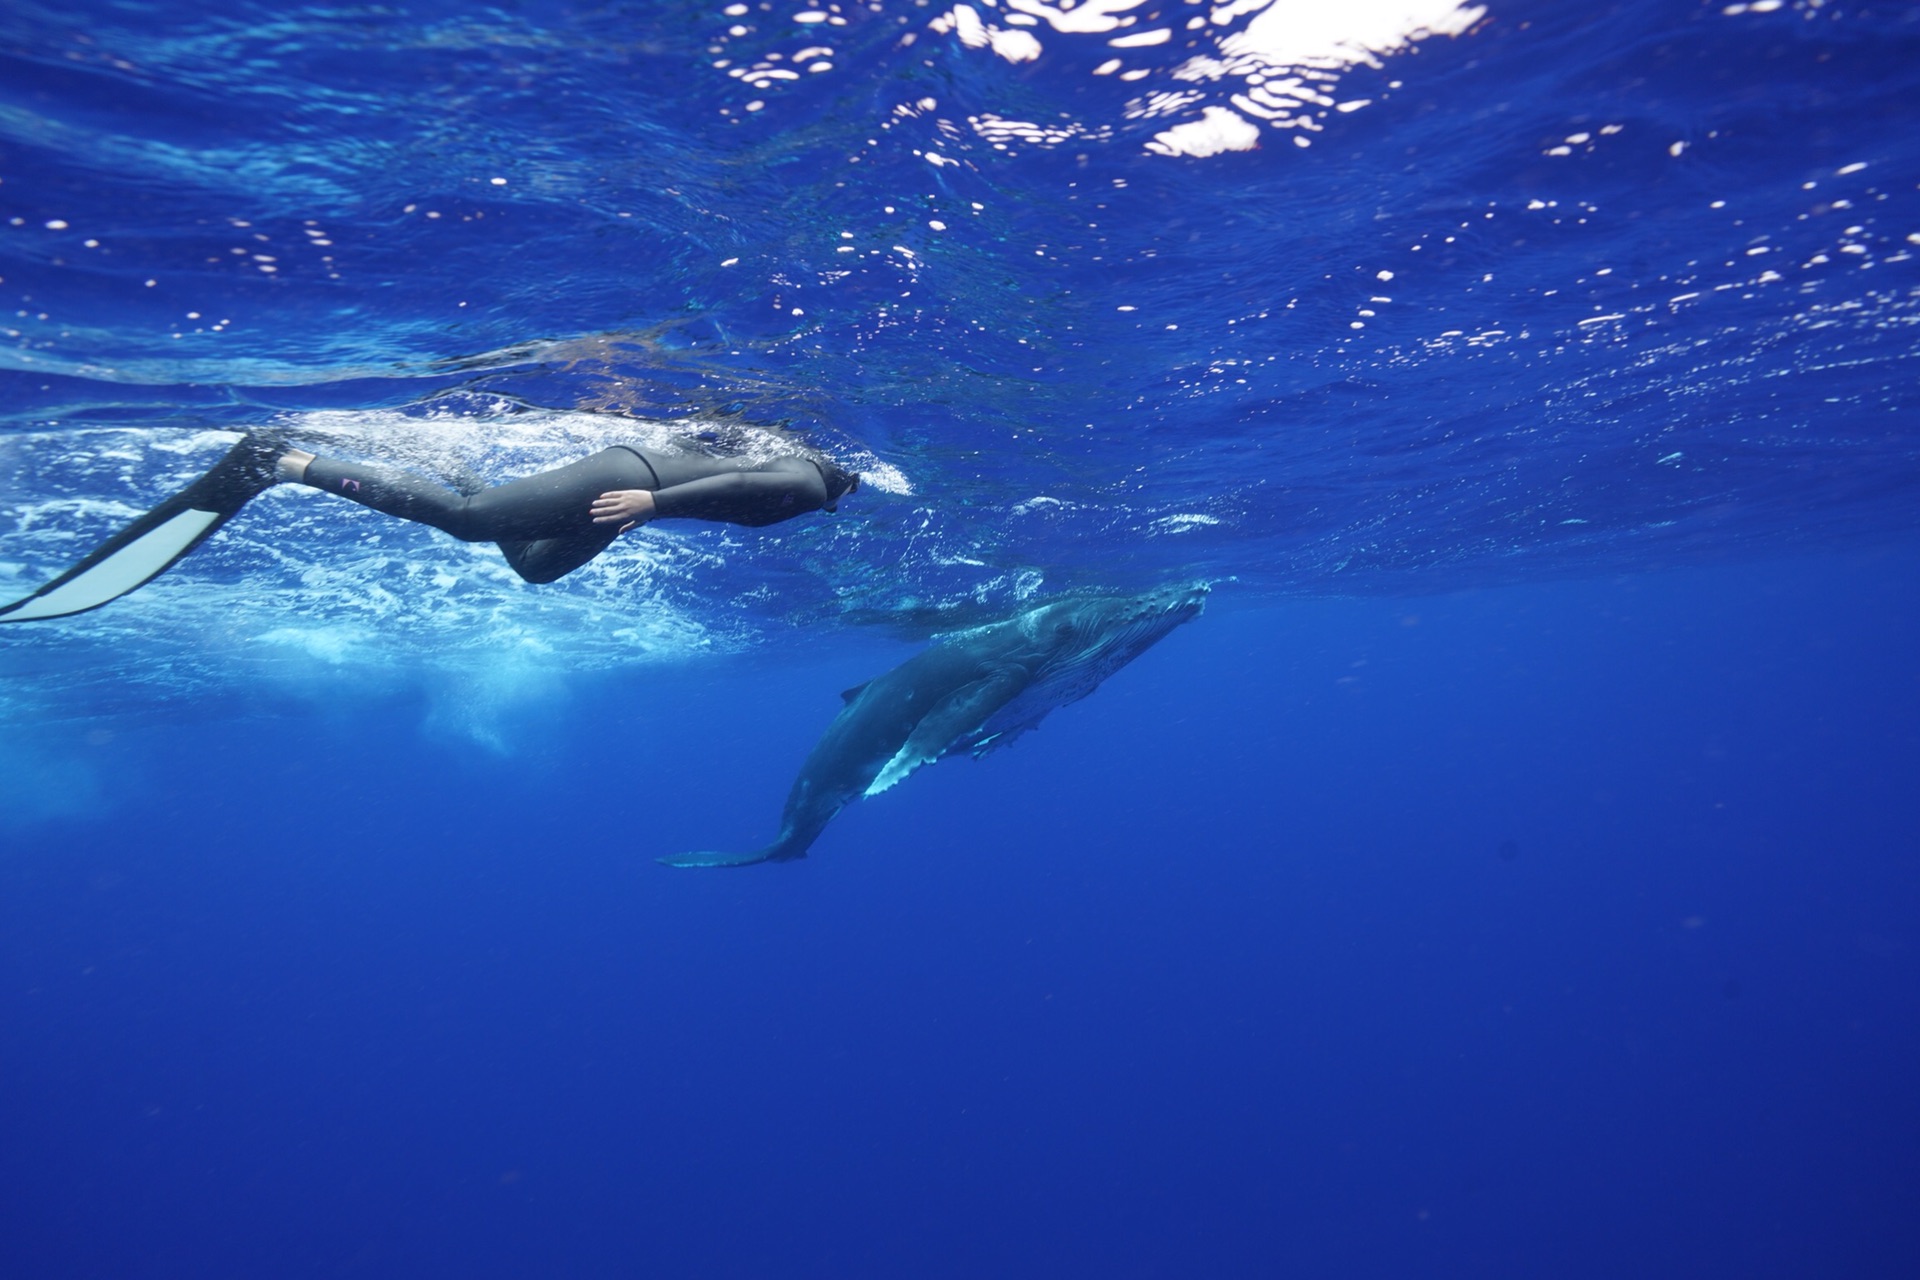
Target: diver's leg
(531,558)
(394,493)
(534,559)
(543,560)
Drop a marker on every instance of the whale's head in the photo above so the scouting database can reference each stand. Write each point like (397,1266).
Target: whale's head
(1085,641)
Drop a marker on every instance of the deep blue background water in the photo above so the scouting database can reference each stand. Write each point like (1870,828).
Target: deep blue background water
(1513,873)
(1223,972)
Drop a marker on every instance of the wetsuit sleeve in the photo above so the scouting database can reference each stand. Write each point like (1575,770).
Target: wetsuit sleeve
(743,497)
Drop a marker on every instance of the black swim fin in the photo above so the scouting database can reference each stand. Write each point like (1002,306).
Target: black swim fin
(150,545)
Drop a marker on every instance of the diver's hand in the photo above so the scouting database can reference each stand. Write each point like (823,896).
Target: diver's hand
(629,507)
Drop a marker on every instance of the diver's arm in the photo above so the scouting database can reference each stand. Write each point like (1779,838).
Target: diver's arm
(741,497)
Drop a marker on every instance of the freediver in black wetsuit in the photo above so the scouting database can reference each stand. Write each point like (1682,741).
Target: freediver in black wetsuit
(547,524)
(551,523)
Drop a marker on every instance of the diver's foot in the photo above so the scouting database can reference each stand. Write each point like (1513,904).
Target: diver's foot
(251,467)
(256,457)
(263,459)
(291,466)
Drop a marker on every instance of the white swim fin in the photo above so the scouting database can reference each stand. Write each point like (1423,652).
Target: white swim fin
(150,545)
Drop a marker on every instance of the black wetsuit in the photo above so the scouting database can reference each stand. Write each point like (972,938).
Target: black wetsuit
(544,522)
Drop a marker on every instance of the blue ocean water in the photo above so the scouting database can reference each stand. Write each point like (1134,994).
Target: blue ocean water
(1511,874)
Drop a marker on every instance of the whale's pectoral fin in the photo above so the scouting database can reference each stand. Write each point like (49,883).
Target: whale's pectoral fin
(966,708)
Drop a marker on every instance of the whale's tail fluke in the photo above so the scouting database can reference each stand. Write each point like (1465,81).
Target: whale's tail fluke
(719,858)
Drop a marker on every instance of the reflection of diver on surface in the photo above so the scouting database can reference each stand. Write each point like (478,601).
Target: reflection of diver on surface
(547,524)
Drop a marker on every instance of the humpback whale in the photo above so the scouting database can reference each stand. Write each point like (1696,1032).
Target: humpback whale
(970,691)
